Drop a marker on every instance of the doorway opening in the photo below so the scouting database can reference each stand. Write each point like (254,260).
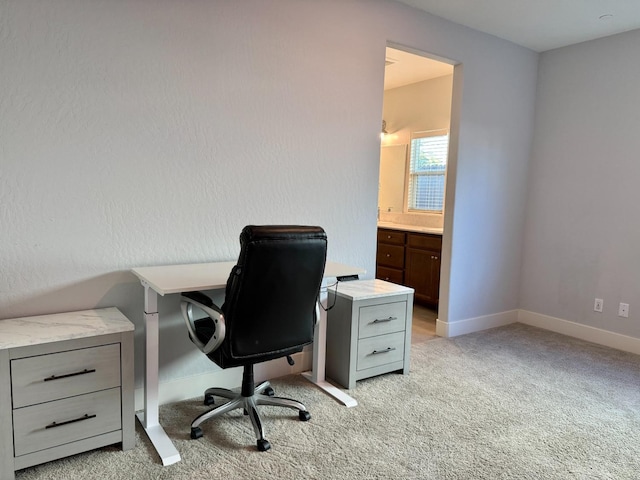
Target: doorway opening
(414,147)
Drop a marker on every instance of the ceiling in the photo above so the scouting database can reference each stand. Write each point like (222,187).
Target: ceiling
(403,68)
(539,25)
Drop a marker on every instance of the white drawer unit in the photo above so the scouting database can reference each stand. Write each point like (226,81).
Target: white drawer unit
(66,386)
(368,330)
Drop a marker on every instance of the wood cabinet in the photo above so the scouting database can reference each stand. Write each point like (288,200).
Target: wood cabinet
(411,259)
(368,330)
(67,386)
(390,256)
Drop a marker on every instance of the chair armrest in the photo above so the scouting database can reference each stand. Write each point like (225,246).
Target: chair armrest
(200,298)
(190,300)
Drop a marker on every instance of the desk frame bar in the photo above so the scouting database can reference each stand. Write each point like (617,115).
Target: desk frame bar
(317,374)
(150,418)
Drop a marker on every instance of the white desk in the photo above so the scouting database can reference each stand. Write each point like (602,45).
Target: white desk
(170,279)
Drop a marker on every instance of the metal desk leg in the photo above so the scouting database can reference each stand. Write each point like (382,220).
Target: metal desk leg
(149,417)
(317,375)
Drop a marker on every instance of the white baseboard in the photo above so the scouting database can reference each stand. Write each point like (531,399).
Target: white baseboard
(583,332)
(184,388)
(476,324)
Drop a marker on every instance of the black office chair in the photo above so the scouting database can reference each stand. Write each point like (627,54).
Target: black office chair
(270,310)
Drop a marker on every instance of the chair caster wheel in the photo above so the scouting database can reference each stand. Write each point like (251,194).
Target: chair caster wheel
(263,445)
(304,415)
(196,432)
(209,400)
(269,391)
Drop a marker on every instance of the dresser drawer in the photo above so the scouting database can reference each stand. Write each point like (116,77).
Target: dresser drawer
(380,350)
(58,375)
(55,423)
(390,255)
(392,275)
(391,236)
(382,319)
(430,242)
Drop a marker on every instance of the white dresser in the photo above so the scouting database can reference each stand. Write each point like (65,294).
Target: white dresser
(66,386)
(368,330)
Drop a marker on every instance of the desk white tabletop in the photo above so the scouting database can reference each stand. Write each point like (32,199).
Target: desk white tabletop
(166,279)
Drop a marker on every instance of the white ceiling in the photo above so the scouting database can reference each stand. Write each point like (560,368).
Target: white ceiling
(403,68)
(539,25)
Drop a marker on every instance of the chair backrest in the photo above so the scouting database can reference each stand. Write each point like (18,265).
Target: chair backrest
(271,294)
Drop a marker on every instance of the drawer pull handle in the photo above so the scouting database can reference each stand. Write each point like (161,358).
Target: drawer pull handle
(386,350)
(382,320)
(58,377)
(85,417)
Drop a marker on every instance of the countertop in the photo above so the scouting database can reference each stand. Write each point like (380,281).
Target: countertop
(20,332)
(410,228)
(364,289)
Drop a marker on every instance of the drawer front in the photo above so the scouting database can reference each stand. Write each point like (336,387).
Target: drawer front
(65,374)
(380,350)
(391,236)
(392,275)
(68,420)
(431,242)
(382,319)
(390,255)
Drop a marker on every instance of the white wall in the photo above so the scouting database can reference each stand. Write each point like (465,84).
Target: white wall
(148,132)
(582,232)
(416,107)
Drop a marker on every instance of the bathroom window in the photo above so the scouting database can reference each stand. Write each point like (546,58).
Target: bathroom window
(427,171)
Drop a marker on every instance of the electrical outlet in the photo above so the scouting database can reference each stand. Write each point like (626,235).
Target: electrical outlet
(623,310)
(597,306)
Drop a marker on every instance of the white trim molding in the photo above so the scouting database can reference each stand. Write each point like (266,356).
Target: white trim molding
(476,324)
(554,324)
(583,332)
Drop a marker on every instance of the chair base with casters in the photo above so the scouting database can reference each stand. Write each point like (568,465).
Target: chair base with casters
(248,399)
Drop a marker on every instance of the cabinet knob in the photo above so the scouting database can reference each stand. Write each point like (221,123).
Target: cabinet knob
(388,255)
(388,236)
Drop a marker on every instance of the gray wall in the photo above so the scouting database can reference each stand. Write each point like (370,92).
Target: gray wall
(582,231)
(148,132)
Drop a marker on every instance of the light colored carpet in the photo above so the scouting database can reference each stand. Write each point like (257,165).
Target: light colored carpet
(513,402)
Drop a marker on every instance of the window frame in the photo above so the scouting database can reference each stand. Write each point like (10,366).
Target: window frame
(410,176)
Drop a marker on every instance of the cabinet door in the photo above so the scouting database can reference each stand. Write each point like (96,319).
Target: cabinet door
(422,273)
